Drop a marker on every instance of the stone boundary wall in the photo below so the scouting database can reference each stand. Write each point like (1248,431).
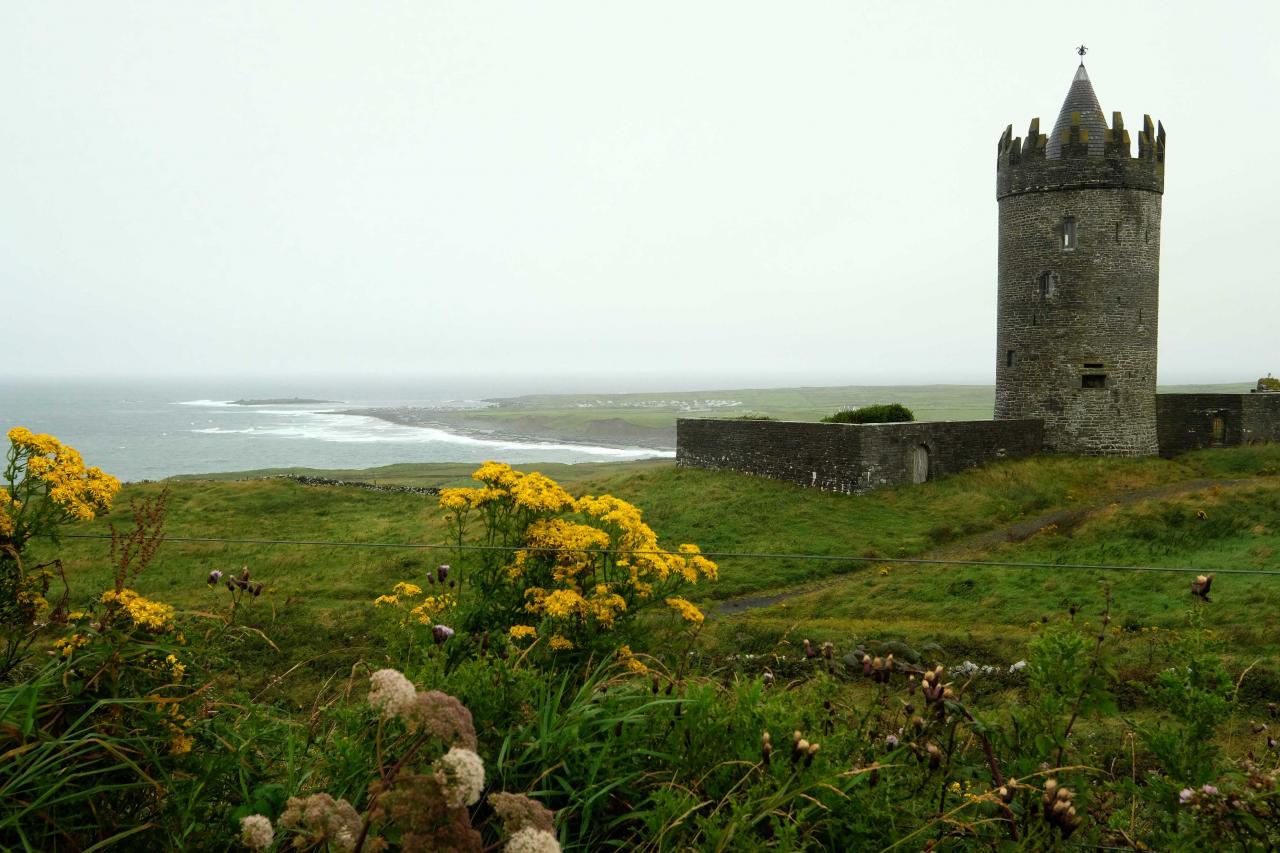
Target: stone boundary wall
(1187,421)
(851,458)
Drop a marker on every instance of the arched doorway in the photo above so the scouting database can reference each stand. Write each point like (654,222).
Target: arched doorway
(919,463)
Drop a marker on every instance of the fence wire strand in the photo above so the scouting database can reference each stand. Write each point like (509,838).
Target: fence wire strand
(719,555)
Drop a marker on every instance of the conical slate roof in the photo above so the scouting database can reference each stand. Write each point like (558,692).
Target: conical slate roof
(1080,99)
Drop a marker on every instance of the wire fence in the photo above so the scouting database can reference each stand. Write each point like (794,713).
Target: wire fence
(718,555)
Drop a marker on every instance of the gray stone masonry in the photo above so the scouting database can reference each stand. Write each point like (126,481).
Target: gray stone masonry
(1079,287)
(851,458)
(1192,421)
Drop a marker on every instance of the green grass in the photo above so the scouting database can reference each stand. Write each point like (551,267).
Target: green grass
(598,416)
(318,598)
(990,612)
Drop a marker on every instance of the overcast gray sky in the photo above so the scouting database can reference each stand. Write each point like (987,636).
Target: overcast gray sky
(768,191)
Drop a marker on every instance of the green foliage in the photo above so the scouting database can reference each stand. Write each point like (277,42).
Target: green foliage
(665,750)
(1197,693)
(1269,383)
(880,413)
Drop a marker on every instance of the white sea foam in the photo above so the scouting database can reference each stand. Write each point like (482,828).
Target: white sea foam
(362,429)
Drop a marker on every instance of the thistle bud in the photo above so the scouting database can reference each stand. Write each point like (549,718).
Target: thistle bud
(442,572)
(440,633)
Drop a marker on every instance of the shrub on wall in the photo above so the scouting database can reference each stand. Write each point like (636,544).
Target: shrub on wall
(1269,383)
(880,413)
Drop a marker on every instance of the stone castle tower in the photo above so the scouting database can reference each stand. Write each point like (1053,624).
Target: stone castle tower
(1079,278)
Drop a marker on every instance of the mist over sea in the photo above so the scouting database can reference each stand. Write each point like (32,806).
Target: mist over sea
(149,429)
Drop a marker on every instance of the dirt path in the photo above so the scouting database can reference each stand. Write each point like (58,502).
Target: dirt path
(1065,519)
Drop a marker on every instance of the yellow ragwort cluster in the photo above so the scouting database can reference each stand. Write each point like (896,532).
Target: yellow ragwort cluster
(688,612)
(81,492)
(423,612)
(582,572)
(8,506)
(522,632)
(66,646)
(638,544)
(154,616)
(533,493)
(631,662)
(568,544)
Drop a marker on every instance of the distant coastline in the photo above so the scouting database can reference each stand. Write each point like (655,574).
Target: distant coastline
(284,401)
(611,432)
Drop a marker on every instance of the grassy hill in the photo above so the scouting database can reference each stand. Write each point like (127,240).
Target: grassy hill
(648,419)
(1149,714)
(1059,510)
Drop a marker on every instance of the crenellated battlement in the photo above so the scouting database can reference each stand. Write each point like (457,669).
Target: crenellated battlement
(1022,165)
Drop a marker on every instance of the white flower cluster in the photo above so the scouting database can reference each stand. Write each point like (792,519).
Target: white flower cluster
(256,832)
(532,840)
(463,771)
(392,692)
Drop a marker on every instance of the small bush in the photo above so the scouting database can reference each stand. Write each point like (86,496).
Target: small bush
(1269,383)
(880,413)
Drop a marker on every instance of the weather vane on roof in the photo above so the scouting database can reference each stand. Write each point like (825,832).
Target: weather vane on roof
(1082,50)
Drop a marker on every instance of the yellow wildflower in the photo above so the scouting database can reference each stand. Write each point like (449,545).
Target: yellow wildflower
(176,667)
(455,500)
(487,495)
(630,661)
(431,607)
(563,603)
(520,632)
(181,744)
(696,564)
(497,475)
(515,571)
(143,613)
(389,600)
(687,611)
(67,645)
(605,605)
(538,493)
(406,589)
(536,596)
(7,506)
(561,644)
(567,542)
(82,493)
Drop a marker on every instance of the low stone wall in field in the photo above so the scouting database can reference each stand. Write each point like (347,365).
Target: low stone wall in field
(1192,421)
(851,458)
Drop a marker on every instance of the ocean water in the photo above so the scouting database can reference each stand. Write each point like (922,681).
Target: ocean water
(149,429)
